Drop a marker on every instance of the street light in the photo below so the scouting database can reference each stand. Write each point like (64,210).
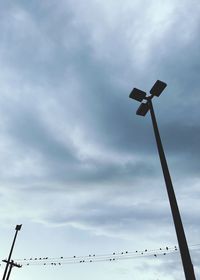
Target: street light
(144,107)
(8,262)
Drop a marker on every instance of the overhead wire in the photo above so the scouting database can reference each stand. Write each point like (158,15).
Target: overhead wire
(109,257)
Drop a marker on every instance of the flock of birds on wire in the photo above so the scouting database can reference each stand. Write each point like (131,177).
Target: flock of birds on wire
(125,255)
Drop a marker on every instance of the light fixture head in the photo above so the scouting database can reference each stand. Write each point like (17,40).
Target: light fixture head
(18,227)
(158,88)
(143,109)
(137,94)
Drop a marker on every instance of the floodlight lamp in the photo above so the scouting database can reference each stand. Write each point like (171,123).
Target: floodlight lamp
(158,88)
(143,109)
(18,227)
(137,94)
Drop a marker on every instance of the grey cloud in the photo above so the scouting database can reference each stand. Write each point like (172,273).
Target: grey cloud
(116,219)
(113,125)
(29,132)
(182,138)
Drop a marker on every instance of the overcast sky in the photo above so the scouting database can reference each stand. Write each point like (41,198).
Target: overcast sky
(78,168)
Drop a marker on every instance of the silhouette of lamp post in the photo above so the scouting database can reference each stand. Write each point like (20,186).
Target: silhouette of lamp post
(12,264)
(144,107)
(8,262)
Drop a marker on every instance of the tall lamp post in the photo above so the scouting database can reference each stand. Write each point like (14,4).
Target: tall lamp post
(146,106)
(8,262)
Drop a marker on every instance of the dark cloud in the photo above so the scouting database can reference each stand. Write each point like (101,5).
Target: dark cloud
(111,218)
(108,116)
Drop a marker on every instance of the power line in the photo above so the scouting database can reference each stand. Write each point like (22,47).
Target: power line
(91,258)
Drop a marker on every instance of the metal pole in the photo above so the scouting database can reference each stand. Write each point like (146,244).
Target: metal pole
(9,271)
(11,264)
(184,251)
(18,227)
